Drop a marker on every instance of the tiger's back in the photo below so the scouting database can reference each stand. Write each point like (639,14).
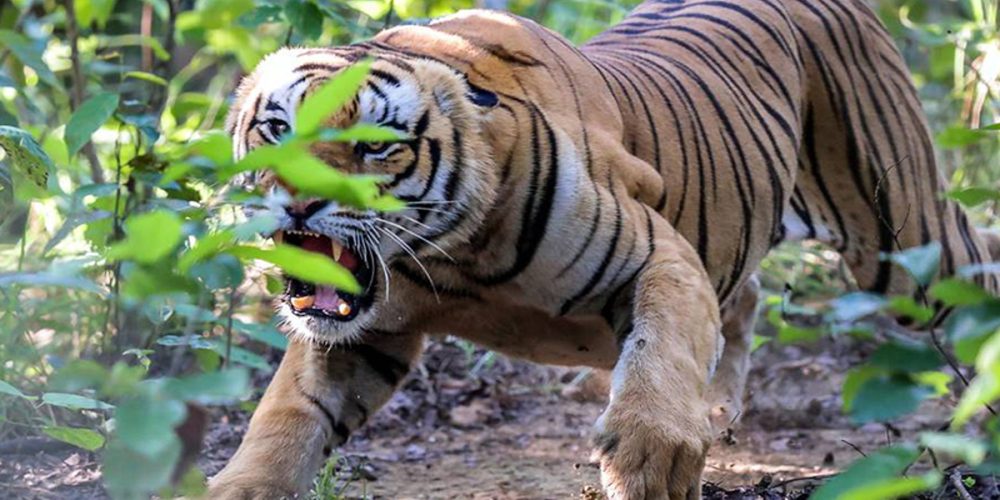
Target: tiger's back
(783,120)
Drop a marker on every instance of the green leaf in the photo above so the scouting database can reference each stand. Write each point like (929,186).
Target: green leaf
(147,77)
(983,390)
(374,9)
(191,485)
(968,328)
(969,450)
(907,306)
(329,98)
(974,196)
(150,236)
(222,271)
(758,342)
(897,487)
(205,247)
(883,465)
(123,380)
(146,424)
(266,334)
(361,132)
(922,263)
(76,436)
(303,264)
(883,398)
(311,176)
(78,375)
(972,270)
(74,402)
(50,278)
(88,11)
(906,356)
(307,174)
(25,154)
(958,292)
(89,117)
(305,17)
(215,146)
(211,388)
(387,203)
(130,474)
(857,305)
(25,51)
(240,355)
(10,390)
(856,377)
(959,137)
(938,381)
(790,334)
(129,40)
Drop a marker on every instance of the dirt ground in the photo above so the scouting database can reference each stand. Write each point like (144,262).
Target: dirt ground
(471,425)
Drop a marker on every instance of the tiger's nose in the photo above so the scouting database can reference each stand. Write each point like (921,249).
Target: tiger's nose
(301,210)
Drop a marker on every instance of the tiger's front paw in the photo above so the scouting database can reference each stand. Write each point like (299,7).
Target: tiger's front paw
(644,458)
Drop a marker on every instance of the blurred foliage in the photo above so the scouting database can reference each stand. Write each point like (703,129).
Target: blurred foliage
(131,287)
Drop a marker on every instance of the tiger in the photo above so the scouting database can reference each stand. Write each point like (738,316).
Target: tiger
(606,205)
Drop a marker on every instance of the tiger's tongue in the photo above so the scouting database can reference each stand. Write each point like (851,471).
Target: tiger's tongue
(326,298)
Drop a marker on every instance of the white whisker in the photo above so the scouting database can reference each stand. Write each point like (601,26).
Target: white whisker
(406,248)
(421,238)
(385,268)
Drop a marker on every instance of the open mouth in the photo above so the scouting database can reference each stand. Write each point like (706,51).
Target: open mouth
(310,299)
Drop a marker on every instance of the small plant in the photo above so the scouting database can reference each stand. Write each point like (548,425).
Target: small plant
(329,485)
(904,371)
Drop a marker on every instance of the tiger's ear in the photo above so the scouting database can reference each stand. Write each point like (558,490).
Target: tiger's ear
(482,97)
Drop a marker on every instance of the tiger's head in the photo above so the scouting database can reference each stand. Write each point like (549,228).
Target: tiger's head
(443,172)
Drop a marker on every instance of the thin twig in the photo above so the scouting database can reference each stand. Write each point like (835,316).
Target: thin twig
(76,92)
(818,477)
(956,482)
(159,98)
(229,327)
(852,445)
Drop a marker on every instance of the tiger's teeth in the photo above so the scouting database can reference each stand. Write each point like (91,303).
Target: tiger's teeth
(337,249)
(343,308)
(278,237)
(305,302)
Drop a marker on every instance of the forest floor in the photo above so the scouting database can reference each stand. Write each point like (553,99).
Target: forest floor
(466,426)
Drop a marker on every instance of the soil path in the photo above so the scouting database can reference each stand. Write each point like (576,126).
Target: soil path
(469,424)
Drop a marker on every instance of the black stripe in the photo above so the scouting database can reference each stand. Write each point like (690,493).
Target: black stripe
(388,368)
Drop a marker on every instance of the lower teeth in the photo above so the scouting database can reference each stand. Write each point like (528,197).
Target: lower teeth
(307,301)
(343,308)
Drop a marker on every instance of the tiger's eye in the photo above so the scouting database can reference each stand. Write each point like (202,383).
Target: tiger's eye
(376,147)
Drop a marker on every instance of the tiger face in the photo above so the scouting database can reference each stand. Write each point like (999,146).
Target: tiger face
(442,171)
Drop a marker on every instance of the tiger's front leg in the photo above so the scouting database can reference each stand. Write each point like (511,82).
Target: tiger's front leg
(319,395)
(653,437)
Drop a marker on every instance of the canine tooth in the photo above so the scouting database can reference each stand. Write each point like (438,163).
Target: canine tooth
(343,308)
(278,237)
(300,303)
(337,250)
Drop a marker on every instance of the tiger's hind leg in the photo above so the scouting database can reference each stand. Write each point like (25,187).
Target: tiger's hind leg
(729,381)
(868,181)
(653,437)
